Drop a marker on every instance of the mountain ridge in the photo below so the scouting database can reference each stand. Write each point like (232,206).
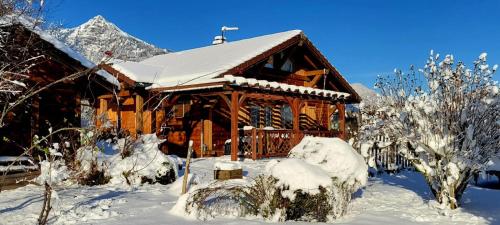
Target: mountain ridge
(98,37)
(364,92)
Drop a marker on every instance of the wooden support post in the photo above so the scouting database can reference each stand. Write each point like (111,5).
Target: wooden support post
(341,109)
(102,112)
(296,120)
(153,122)
(207,131)
(139,123)
(254,143)
(234,125)
(261,143)
(147,121)
(160,116)
(186,170)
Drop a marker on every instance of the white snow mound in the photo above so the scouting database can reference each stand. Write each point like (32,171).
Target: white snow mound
(299,175)
(335,156)
(146,161)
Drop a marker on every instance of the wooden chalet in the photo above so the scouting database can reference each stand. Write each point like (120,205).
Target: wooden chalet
(255,97)
(48,60)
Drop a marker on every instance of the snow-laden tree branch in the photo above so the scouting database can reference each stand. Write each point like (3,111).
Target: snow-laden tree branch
(448,114)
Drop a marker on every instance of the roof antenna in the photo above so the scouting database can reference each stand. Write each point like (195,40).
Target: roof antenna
(222,39)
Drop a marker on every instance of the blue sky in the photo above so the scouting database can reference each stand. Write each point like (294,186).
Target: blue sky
(361,38)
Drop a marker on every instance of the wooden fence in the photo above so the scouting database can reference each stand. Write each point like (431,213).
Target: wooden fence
(389,158)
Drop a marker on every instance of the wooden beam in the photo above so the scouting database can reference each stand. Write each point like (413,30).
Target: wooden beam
(188,86)
(266,96)
(120,94)
(139,123)
(341,109)
(308,73)
(308,60)
(313,81)
(333,86)
(226,100)
(234,125)
(242,99)
(120,76)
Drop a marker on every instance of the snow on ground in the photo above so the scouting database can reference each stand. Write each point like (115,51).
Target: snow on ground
(396,199)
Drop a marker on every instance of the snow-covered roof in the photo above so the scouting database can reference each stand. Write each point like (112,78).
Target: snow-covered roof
(30,25)
(139,72)
(201,64)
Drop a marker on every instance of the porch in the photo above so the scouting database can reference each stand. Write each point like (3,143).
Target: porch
(256,120)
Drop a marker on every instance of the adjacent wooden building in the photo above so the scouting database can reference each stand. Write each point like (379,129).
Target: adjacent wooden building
(33,53)
(255,97)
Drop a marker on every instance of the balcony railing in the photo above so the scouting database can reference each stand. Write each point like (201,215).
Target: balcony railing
(260,143)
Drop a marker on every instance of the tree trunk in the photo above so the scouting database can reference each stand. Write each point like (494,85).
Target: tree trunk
(447,192)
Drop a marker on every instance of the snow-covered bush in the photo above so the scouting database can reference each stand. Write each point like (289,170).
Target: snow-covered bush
(146,163)
(308,192)
(449,115)
(52,172)
(143,162)
(334,156)
(314,184)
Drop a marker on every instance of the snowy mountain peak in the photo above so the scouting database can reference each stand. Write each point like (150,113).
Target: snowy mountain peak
(98,35)
(98,18)
(98,21)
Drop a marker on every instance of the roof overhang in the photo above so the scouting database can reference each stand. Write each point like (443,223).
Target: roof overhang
(257,85)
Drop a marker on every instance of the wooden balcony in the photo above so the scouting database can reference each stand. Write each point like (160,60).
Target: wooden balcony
(261,143)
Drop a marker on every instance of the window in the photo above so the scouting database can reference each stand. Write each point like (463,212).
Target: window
(334,121)
(182,108)
(270,63)
(286,117)
(255,115)
(268,116)
(287,66)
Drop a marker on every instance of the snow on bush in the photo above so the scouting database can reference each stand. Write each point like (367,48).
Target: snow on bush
(314,184)
(334,156)
(53,170)
(53,173)
(298,175)
(446,117)
(146,163)
(129,162)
